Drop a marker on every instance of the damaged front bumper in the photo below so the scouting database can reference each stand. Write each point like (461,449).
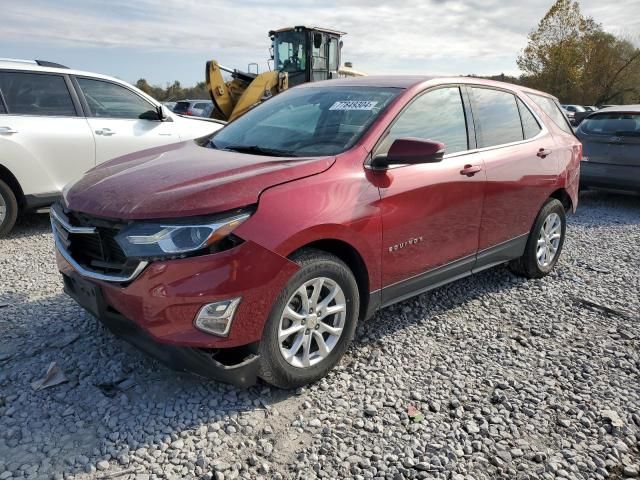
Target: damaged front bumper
(200,361)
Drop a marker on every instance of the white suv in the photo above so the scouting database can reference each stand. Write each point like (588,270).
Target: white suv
(57,123)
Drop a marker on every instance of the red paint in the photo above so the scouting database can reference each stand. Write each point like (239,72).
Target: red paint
(444,210)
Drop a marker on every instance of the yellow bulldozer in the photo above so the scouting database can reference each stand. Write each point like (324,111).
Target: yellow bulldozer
(300,54)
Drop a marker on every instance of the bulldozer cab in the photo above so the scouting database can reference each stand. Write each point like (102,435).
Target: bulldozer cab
(306,54)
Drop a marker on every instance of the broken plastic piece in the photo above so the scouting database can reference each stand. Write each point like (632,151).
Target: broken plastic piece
(53,377)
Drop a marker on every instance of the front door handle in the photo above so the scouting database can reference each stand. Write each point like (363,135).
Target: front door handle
(107,132)
(7,130)
(470,170)
(543,152)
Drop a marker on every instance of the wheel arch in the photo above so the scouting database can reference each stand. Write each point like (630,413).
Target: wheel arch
(352,258)
(9,178)
(563,196)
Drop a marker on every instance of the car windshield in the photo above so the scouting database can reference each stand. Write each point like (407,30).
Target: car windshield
(614,123)
(306,122)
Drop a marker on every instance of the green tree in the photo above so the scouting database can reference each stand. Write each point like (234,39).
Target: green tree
(553,58)
(570,56)
(612,70)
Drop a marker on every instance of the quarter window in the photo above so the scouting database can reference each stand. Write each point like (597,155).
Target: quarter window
(36,94)
(496,116)
(108,100)
(436,115)
(530,126)
(551,108)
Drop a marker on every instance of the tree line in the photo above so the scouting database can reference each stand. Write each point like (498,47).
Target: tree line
(568,55)
(174,91)
(572,57)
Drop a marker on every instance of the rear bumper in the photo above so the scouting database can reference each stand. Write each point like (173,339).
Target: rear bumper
(33,202)
(617,177)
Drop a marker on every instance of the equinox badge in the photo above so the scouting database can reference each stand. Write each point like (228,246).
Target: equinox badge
(408,243)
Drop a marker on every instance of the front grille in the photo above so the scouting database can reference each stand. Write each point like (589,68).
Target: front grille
(94,248)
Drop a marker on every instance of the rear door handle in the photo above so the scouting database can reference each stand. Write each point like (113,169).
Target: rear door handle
(470,170)
(543,152)
(107,132)
(7,130)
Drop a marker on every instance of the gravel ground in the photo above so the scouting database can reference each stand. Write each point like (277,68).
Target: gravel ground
(490,377)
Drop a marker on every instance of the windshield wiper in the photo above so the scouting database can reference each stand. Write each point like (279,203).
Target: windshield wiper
(256,150)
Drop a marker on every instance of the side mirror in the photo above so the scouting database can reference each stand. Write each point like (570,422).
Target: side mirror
(153,115)
(410,151)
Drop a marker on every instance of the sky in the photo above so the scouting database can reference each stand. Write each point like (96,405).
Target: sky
(167,40)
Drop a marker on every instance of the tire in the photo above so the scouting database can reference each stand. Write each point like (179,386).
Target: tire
(529,265)
(317,268)
(8,209)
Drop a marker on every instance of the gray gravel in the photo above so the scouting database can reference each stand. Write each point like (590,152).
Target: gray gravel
(507,378)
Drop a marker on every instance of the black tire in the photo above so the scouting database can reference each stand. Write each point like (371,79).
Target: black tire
(528,265)
(274,369)
(11,204)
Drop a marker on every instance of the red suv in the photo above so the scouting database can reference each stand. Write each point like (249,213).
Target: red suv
(254,252)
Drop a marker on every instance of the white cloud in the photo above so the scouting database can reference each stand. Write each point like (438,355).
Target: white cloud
(401,36)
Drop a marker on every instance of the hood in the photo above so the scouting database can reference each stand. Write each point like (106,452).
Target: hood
(183,179)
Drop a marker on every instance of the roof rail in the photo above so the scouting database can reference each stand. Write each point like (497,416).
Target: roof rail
(42,63)
(17,60)
(45,63)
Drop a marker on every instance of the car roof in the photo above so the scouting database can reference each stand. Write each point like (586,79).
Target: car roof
(32,66)
(619,108)
(409,81)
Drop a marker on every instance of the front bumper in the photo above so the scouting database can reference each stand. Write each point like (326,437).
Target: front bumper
(156,311)
(186,359)
(615,177)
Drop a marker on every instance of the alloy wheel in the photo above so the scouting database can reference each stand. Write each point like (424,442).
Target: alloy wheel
(312,322)
(549,240)
(3,210)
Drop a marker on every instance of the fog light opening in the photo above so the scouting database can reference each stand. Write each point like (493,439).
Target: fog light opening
(215,318)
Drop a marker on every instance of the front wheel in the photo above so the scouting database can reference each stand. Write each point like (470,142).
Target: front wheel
(544,243)
(8,209)
(311,323)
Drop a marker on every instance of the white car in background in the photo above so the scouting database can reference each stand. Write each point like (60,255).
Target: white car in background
(57,123)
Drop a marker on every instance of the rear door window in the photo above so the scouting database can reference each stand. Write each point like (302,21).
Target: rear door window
(436,115)
(619,124)
(36,94)
(530,126)
(553,110)
(108,100)
(496,116)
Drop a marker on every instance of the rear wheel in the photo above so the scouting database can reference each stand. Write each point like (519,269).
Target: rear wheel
(312,322)
(544,243)
(8,209)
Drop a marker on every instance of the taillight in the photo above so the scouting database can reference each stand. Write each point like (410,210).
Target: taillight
(579,151)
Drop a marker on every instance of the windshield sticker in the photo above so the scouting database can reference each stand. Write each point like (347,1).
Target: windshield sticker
(353,105)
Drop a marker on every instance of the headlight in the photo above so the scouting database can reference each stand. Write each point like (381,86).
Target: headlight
(174,239)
